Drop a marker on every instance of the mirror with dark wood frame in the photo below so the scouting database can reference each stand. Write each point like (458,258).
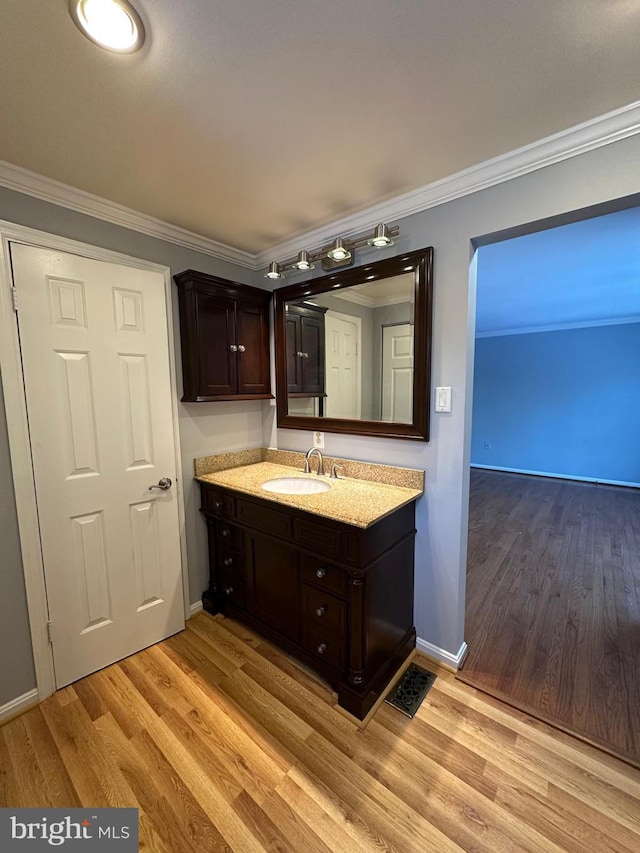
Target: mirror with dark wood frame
(353,349)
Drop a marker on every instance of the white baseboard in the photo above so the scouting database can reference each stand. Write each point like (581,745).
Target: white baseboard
(196,607)
(630,485)
(18,705)
(441,655)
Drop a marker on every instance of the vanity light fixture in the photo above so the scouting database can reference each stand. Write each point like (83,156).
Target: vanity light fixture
(380,237)
(338,254)
(303,262)
(274,270)
(338,251)
(112,24)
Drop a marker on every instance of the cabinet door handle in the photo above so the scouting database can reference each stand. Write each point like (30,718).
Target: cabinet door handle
(228,561)
(217,504)
(229,590)
(226,531)
(320,611)
(322,648)
(320,573)
(241,348)
(233,348)
(304,354)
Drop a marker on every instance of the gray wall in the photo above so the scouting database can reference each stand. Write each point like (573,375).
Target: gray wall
(204,427)
(609,173)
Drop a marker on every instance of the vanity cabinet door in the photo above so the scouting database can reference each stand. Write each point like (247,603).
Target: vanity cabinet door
(273,585)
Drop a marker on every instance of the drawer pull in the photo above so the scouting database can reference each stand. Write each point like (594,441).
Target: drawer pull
(228,561)
(229,590)
(217,504)
(226,531)
(320,573)
(320,611)
(322,648)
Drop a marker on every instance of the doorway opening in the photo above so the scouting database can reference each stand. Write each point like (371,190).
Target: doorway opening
(553,576)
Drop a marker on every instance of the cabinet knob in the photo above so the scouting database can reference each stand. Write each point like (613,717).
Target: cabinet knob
(228,590)
(320,573)
(241,348)
(320,611)
(322,648)
(226,531)
(217,504)
(233,348)
(228,561)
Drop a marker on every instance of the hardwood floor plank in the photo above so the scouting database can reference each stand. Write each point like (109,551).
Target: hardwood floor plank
(224,745)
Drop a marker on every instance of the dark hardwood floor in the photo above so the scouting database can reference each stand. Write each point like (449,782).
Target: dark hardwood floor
(553,603)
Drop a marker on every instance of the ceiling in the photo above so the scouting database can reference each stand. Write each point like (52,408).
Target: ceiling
(250,122)
(586,273)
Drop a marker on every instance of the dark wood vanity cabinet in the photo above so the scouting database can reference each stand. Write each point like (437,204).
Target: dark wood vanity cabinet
(224,330)
(338,597)
(305,350)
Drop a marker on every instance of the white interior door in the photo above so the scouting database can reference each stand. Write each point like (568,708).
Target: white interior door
(397,373)
(94,344)
(342,355)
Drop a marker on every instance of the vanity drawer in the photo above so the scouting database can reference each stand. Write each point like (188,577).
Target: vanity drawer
(318,537)
(318,572)
(323,611)
(326,646)
(232,566)
(218,503)
(264,518)
(229,538)
(234,592)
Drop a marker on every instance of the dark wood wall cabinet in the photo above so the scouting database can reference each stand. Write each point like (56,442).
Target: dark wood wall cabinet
(224,330)
(305,350)
(338,597)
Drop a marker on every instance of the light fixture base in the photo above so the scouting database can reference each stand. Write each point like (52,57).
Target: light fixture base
(329,264)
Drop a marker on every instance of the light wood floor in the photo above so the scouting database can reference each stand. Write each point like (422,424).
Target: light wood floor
(553,603)
(224,744)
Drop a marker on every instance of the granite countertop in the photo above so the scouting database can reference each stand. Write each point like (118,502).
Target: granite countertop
(349,500)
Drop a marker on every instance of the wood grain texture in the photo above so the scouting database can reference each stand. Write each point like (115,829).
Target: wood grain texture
(223,743)
(553,603)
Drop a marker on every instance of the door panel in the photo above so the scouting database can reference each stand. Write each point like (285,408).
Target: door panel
(252,333)
(273,584)
(95,358)
(397,373)
(343,367)
(216,364)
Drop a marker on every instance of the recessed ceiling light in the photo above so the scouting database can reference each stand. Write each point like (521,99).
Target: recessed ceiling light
(112,24)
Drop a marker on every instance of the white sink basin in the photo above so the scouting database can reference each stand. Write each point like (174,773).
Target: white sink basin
(296,486)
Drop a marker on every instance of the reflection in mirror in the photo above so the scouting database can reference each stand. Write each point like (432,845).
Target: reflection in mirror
(346,349)
(351,352)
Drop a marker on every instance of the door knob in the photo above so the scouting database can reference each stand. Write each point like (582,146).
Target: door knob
(163,484)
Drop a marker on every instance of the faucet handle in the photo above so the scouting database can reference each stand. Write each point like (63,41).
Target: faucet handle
(306,469)
(334,471)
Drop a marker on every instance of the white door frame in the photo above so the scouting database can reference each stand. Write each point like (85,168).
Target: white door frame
(19,445)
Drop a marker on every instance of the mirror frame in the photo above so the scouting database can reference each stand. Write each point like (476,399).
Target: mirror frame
(420,263)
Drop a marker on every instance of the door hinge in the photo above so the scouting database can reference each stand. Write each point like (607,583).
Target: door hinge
(14,294)
(50,631)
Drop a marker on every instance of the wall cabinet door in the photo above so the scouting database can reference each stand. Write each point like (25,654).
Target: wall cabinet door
(273,585)
(305,350)
(217,373)
(252,337)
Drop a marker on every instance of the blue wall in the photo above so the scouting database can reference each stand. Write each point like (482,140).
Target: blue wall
(564,402)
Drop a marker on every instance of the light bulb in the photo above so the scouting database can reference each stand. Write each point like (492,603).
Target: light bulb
(112,24)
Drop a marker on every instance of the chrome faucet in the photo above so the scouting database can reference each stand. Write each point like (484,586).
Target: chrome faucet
(307,469)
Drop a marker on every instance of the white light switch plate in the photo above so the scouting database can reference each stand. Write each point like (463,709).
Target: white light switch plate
(443,399)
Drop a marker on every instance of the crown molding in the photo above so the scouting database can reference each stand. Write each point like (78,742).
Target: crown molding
(631,319)
(24,181)
(595,133)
